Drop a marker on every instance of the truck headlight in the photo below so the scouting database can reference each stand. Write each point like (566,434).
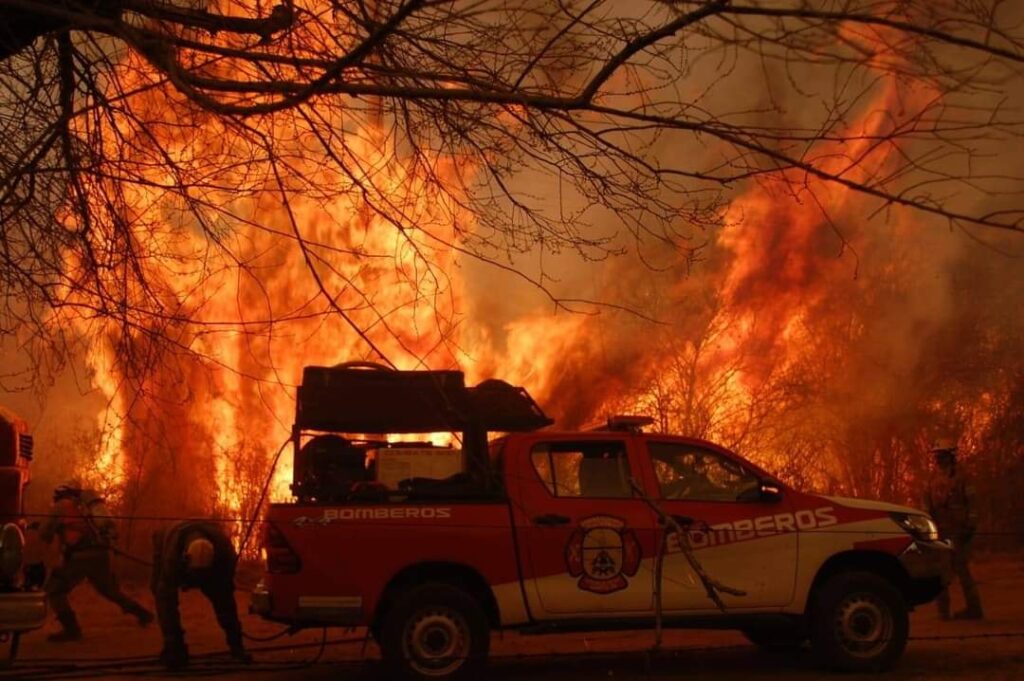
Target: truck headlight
(917,525)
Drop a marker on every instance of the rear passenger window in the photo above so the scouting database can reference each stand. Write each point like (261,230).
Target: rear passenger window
(583,469)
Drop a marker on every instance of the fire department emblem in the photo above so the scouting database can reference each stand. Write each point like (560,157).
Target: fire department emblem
(602,552)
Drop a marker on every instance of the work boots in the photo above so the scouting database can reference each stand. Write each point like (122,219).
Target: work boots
(69,629)
(973,610)
(175,657)
(143,617)
(237,648)
(969,614)
(65,635)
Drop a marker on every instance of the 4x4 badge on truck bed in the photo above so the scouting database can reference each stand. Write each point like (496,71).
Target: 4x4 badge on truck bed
(602,552)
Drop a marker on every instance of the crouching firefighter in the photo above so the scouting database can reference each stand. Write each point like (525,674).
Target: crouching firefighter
(86,538)
(194,554)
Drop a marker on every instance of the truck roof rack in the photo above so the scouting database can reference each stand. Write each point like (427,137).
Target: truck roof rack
(366,398)
(625,423)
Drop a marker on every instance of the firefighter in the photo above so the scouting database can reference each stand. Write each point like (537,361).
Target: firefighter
(950,501)
(194,554)
(85,546)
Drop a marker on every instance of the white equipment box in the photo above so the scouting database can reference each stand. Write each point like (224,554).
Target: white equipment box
(395,465)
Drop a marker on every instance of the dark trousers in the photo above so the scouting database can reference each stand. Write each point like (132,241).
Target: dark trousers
(78,566)
(962,570)
(221,595)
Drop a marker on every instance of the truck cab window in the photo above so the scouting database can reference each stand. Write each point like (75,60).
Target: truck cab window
(583,469)
(697,474)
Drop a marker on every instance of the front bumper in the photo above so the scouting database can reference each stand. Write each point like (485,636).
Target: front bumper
(22,610)
(929,566)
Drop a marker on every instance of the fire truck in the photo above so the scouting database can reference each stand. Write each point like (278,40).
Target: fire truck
(513,526)
(22,604)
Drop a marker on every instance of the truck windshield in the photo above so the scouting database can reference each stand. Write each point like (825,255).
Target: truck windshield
(697,474)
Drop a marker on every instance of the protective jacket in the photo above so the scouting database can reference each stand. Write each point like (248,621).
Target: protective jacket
(80,522)
(950,501)
(169,564)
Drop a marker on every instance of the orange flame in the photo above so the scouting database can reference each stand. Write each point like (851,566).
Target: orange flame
(249,329)
(240,310)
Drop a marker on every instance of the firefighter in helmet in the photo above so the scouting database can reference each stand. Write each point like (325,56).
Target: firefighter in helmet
(86,539)
(950,501)
(194,554)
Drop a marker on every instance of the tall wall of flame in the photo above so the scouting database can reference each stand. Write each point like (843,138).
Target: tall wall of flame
(199,396)
(796,290)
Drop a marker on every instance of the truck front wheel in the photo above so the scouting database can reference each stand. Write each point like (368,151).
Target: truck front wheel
(859,623)
(435,631)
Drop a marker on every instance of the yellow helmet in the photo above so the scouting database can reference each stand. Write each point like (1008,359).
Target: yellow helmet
(199,553)
(944,445)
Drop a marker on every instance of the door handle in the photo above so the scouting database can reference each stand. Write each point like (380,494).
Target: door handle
(682,520)
(551,519)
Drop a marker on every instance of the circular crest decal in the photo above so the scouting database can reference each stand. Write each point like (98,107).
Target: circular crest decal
(602,552)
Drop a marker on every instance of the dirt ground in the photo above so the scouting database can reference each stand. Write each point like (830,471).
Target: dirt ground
(939,650)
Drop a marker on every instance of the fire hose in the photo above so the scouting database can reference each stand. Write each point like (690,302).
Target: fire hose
(213,664)
(711,586)
(131,557)
(209,664)
(263,496)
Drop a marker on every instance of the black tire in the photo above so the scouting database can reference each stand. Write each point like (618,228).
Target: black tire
(779,638)
(859,623)
(435,631)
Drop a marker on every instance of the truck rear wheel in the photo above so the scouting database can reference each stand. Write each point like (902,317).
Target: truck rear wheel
(435,631)
(859,623)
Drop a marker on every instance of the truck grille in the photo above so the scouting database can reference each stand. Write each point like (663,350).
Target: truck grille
(25,446)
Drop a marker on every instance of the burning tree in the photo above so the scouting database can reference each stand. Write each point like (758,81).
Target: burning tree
(198,189)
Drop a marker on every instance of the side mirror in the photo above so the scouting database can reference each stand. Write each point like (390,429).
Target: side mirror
(770,492)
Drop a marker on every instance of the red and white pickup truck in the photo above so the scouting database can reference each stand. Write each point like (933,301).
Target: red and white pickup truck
(550,531)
